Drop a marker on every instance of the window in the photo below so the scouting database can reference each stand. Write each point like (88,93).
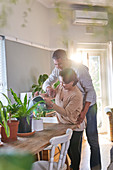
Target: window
(96,61)
(3,76)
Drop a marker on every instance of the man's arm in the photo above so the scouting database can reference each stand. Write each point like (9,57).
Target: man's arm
(47,86)
(83,113)
(90,95)
(86,83)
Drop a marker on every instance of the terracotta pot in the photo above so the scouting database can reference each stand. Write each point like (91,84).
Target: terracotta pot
(13,126)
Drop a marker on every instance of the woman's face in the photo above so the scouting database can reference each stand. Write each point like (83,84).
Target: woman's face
(67,86)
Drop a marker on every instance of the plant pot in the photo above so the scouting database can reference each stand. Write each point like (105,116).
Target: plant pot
(24,127)
(13,126)
(37,125)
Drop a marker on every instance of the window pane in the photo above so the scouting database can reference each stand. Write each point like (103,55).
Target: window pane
(3,77)
(94,69)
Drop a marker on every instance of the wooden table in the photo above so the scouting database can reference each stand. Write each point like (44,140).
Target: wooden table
(38,141)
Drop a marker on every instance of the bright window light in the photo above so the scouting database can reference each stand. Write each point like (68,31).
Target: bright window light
(80,57)
(77,57)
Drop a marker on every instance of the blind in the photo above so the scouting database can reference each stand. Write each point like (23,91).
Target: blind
(3,75)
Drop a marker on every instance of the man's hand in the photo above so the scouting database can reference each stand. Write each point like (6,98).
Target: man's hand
(83,113)
(81,117)
(50,91)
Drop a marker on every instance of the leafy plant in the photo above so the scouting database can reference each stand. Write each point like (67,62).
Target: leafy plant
(38,87)
(11,108)
(38,115)
(7,9)
(4,118)
(56,84)
(23,108)
(19,109)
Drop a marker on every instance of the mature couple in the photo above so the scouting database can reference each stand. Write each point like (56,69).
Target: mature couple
(75,98)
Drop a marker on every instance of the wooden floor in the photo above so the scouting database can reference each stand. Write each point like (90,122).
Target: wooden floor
(105,146)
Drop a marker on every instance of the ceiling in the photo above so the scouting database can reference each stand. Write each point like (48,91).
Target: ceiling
(72,3)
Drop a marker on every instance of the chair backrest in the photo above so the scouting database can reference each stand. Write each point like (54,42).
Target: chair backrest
(64,140)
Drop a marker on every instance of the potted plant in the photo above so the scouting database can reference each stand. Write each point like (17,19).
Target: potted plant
(23,113)
(38,113)
(9,127)
(37,121)
(4,118)
(38,87)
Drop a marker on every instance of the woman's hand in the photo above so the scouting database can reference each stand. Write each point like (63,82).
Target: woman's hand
(48,100)
(44,95)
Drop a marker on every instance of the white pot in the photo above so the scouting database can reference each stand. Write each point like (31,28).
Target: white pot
(37,125)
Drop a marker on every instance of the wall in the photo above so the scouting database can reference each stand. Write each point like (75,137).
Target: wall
(24,65)
(37,23)
(74,33)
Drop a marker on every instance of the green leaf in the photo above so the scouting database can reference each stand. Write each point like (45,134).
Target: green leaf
(6,127)
(28,119)
(34,106)
(1,104)
(45,76)
(56,84)
(16,98)
(25,100)
(34,85)
(40,79)
(5,113)
(3,118)
(9,100)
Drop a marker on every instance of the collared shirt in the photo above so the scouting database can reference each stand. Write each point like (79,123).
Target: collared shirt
(85,82)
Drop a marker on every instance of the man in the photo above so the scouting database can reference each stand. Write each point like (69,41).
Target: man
(89,100)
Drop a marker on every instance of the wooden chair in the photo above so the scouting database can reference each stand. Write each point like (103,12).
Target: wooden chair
(64,140)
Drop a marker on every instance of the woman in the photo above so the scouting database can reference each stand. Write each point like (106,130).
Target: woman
(68,106)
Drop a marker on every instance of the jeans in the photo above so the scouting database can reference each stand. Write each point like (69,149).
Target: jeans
(74,151)
(92,136)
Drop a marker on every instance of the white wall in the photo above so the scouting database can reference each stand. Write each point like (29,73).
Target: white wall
(37,26)
(42,27)
(75,33)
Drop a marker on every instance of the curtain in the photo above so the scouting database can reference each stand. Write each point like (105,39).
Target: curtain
(3,73)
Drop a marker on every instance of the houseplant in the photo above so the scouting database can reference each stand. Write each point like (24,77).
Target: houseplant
(9,128)
(4,118)
(38,87)
(37,122)
(23,113)
(40,111)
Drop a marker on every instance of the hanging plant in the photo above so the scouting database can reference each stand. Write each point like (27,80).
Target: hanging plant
(6,10)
